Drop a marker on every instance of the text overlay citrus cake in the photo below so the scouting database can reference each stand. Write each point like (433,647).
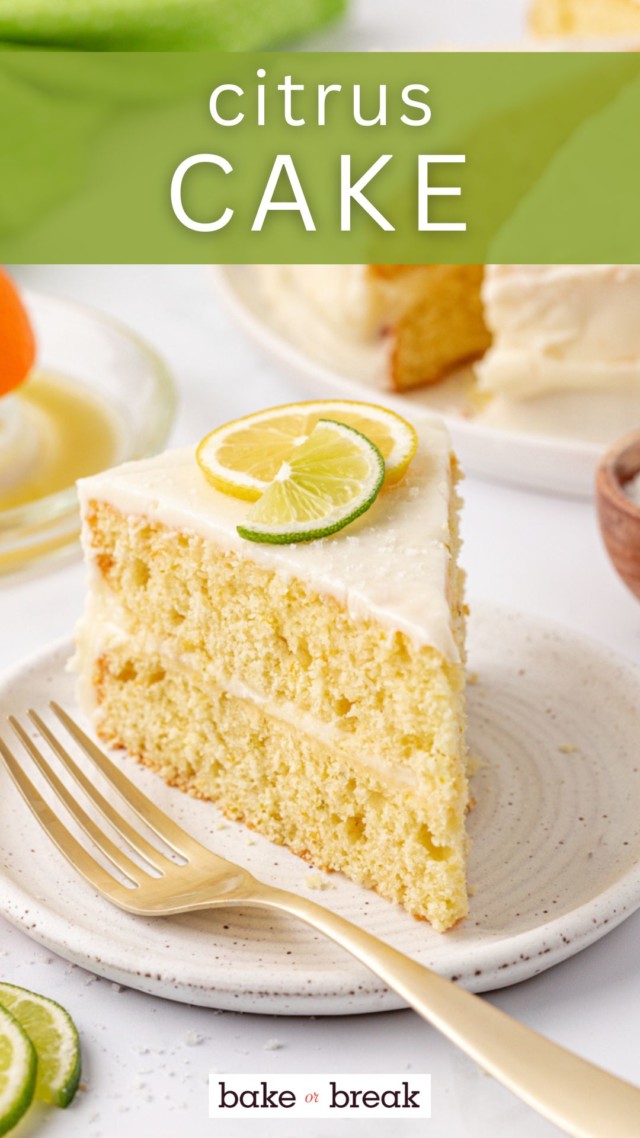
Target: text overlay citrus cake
(313,690)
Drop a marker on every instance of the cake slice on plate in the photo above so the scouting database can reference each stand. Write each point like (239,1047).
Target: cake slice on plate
(313,690)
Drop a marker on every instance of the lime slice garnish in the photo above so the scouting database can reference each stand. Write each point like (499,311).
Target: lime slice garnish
(18,1066)
(243,457)
(54,1036)
(328,481)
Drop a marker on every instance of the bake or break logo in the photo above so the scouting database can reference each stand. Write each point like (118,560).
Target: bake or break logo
(320,1096)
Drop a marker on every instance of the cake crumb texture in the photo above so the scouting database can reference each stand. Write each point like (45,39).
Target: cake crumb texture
(296,791)
(442,324)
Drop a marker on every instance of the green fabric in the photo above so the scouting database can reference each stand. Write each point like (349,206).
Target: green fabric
(161,25)
(46,136)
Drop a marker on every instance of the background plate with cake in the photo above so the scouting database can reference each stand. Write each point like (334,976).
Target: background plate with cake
(535,368)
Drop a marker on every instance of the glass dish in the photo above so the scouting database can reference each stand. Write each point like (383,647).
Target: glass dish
(115,369)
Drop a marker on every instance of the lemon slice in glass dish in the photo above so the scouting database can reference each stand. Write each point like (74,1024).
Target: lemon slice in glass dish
(328,480)
(243,457)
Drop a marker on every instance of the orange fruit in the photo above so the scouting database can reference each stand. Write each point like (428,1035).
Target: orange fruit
(17,342)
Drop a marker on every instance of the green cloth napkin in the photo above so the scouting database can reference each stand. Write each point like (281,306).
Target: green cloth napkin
(45,139)
(162,25)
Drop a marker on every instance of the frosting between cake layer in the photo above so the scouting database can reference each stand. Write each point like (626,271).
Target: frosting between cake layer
(97,633)
(391,565)
(560,328)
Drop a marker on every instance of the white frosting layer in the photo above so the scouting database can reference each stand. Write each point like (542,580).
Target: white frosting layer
(356,303)
(561,327)
(340,294)
(392,564)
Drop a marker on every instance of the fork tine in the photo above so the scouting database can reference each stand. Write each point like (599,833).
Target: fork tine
(152,855)
(103,843)
(170,832)
(71,849)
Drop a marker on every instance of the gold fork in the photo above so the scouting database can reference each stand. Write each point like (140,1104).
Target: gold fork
(583,1100)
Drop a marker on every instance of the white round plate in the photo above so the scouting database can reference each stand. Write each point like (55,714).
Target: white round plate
(555,858)
(551,444)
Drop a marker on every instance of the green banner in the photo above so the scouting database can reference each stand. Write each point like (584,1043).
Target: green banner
(388,158)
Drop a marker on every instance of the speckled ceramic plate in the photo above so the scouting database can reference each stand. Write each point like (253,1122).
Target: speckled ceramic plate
(555,861)
(551,443)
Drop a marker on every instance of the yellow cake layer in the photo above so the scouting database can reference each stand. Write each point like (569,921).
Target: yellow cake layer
(440,325)
(294,789)
(229,618)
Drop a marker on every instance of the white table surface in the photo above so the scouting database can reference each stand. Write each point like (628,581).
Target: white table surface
(536,552)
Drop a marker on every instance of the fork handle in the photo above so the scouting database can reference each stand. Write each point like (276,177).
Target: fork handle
(583,1100)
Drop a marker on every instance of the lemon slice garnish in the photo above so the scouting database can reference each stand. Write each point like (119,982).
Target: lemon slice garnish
(243,457)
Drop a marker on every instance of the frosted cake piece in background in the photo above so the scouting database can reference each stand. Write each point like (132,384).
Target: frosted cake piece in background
(430,316)
(553,349)
(561,328)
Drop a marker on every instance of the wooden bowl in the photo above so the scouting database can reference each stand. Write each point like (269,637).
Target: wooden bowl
(619,517)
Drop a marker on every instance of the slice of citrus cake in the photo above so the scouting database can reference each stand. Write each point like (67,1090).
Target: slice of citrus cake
(312,689)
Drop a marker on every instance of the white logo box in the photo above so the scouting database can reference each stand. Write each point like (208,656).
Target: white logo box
(320,1096)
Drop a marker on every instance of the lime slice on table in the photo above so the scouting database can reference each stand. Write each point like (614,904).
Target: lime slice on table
(328,481)
(54,1036)
(18,1066)
(243,457)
